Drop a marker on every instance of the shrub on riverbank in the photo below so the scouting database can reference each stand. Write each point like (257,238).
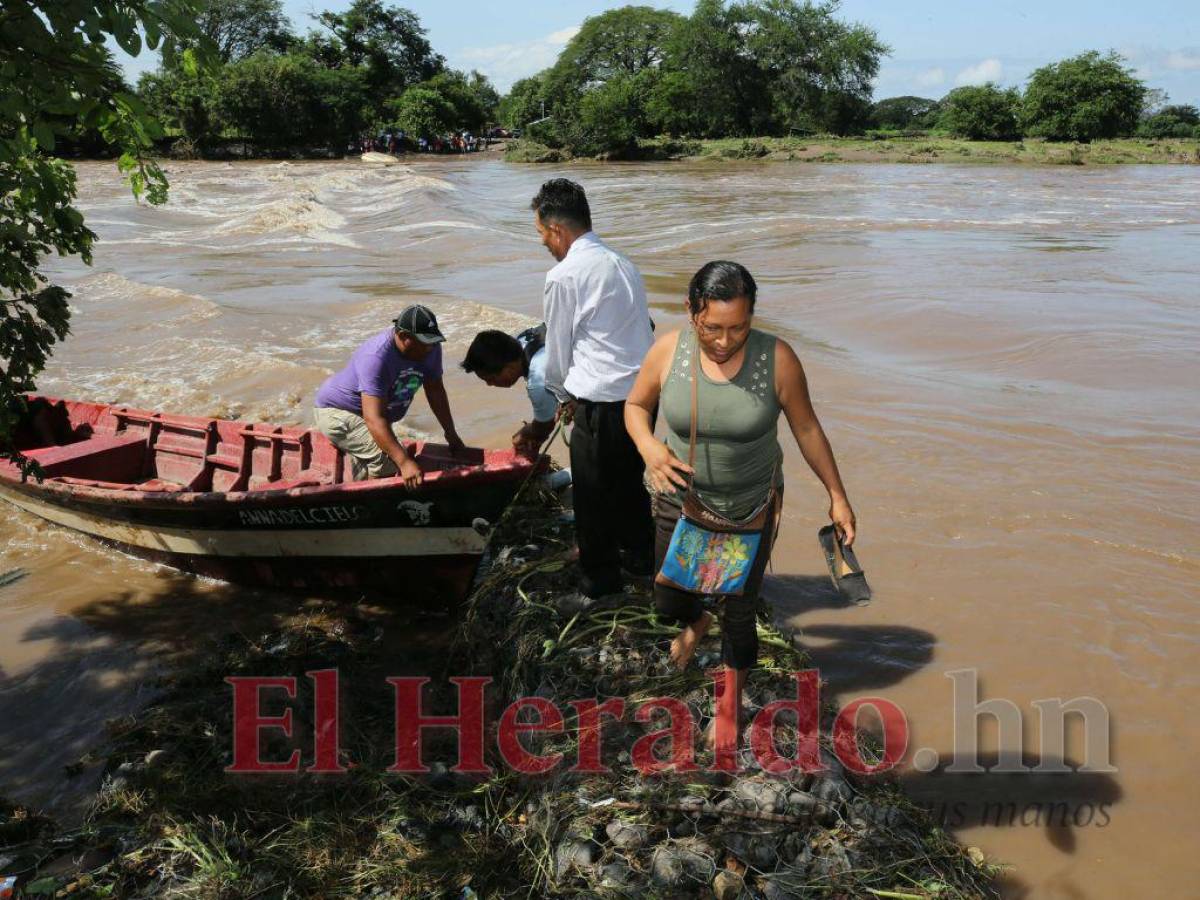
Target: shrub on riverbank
(893,148)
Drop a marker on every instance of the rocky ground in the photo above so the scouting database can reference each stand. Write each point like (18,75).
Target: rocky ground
(169,822)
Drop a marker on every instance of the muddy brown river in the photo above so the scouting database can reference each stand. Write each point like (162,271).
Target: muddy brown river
(1005,360)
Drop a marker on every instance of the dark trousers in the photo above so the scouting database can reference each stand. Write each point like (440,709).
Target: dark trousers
(612,508)
(739,614)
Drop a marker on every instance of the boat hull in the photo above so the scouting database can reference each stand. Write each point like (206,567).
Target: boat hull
(399,559)
(292,520)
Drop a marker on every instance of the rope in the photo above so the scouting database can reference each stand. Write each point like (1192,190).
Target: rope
(533,470)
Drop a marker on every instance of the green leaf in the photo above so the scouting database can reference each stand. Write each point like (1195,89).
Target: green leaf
(191,65)
(44,135)
(43,886)
(153,32)
(131,42)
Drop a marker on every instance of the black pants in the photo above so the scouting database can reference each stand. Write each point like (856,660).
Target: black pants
(739,630)
(612,508)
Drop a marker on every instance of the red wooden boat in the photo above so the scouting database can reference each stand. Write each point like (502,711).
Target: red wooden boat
(259,504)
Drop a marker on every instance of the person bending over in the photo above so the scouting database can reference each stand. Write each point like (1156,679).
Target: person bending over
(501,360)
(359,407)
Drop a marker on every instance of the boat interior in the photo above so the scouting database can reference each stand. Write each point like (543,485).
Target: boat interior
(117,448)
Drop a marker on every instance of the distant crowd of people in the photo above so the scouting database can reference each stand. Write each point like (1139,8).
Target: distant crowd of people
(399,142)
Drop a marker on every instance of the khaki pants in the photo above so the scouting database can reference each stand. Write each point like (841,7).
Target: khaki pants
(349,433)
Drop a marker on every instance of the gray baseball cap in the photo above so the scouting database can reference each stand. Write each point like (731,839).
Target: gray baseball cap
(421,323)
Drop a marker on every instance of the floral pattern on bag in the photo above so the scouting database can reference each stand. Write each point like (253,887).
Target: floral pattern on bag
(709,562)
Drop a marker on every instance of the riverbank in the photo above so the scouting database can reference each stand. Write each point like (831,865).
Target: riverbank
(168,820)
(1124,151)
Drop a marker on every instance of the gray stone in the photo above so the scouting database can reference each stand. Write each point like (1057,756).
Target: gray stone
(830,860)
(756,850)
(625,836)
(468,817)
(574,855)
(571,603)
(764,796)
(156,758)
(801,803)
(676,867)
(796,851)
(832,789)
(615,874)
(782,886)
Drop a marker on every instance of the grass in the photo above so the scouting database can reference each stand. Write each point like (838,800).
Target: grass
(169,822)
(926,149)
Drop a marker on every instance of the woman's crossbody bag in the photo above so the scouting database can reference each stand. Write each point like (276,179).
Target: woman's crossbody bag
(711,553)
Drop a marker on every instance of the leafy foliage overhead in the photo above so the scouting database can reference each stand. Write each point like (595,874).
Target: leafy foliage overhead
(56,76)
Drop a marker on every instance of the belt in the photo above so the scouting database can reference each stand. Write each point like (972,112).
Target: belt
(587,402)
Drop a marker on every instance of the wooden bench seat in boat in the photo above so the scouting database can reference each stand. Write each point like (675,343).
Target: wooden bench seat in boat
(109,456)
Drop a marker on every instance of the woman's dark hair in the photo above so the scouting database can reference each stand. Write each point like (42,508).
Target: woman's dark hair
(720,280)
(491,351)
(562,200)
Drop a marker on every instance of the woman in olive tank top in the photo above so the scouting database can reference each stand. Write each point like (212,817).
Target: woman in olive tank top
(745,378)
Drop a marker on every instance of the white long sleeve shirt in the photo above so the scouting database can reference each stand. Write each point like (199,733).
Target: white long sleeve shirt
(597,323)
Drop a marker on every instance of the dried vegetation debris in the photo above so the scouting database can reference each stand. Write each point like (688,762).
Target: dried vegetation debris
(169,822)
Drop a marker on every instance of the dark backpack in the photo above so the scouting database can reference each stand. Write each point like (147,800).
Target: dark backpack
(532,340)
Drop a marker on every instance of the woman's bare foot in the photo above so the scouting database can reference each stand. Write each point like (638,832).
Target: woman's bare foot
(683,648)
(708,740)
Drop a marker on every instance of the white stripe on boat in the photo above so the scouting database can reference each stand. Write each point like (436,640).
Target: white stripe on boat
(379,542)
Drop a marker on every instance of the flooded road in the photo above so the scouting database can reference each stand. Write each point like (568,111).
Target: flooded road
(1004,360)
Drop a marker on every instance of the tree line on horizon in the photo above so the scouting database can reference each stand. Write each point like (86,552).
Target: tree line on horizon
(751,68)
(360,71)
(791,67)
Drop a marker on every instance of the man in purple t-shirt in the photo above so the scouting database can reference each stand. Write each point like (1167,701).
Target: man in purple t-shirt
(357,407)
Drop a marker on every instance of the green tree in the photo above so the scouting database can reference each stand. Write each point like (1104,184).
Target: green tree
(471,98)
(719,89)
(184,99)
(674,106)
(285,101)
(618,44)
(523,103)
(388,41)
(1086,97)
(56,77)
(621,41)
(486,95)
(1175,121)
(901,113)
(423,112)
(611,117)
(818,68)
(981,113)
(241,28)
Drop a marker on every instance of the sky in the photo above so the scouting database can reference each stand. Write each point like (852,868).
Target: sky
(937,45)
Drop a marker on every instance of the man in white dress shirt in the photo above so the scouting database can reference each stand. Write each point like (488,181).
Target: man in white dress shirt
(597,333)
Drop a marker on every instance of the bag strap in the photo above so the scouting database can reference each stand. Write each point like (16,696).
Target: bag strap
(695,401)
